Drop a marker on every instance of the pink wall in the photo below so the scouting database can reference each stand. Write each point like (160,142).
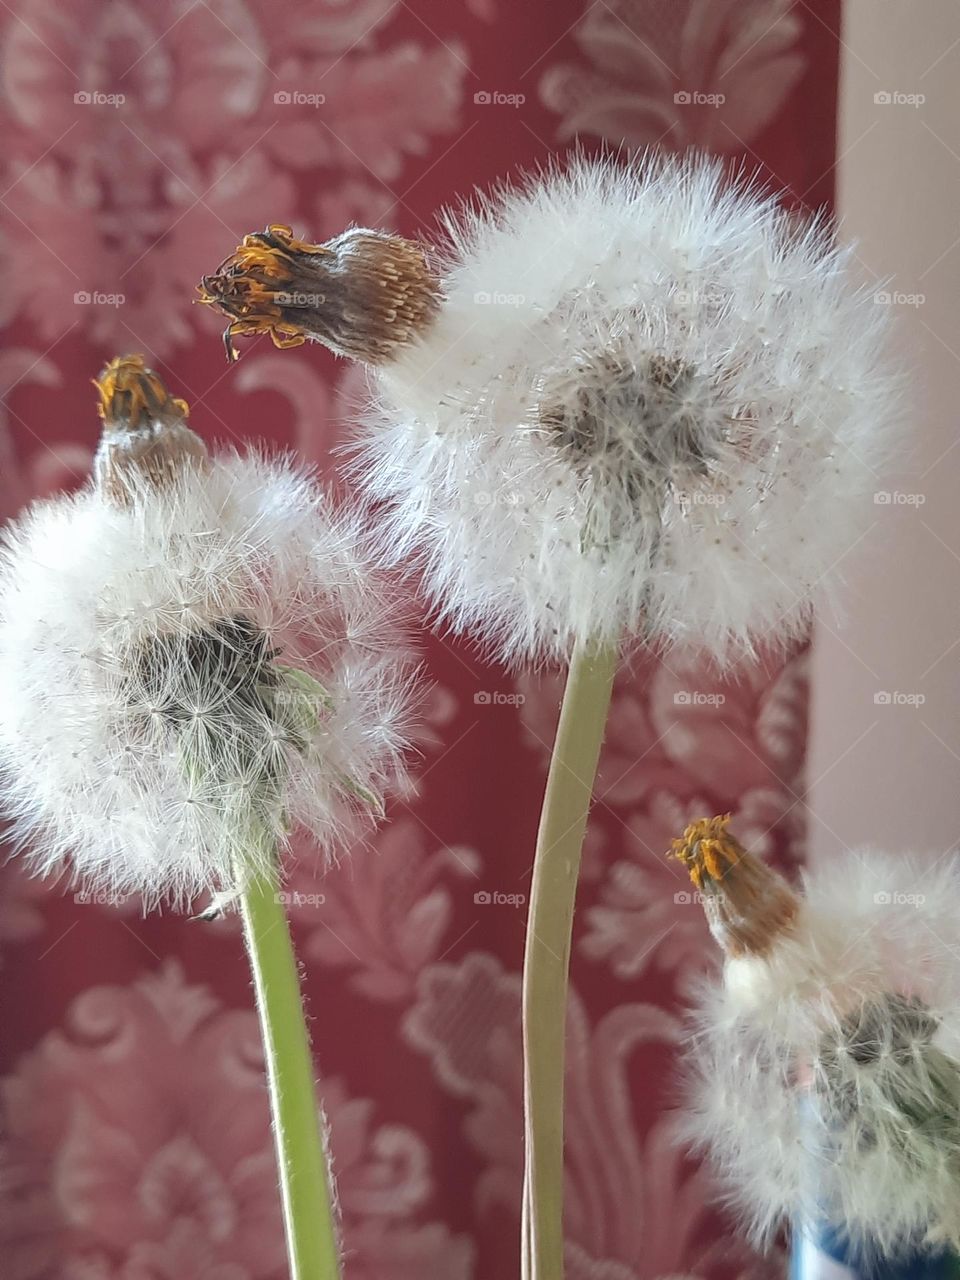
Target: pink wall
(887,772)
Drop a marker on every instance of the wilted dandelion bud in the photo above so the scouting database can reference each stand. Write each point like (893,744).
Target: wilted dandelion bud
(824,1075)
(145,443)
(362,294)
(195,658)
(747,905)
(638,402)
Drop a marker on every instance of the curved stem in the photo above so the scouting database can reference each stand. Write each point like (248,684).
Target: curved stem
(305,1184)
(556,868)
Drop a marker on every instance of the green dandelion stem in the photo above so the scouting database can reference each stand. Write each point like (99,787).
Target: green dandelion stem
(556,868)
(305,1183)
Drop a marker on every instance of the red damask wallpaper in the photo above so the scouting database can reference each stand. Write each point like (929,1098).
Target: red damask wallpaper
(141,139)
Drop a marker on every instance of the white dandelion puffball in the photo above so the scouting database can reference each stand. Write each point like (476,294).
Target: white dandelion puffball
(825,1073)
(649,405)
(189,674)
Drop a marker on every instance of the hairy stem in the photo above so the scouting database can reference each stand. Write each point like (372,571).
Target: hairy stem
(305,1183)
(556,867)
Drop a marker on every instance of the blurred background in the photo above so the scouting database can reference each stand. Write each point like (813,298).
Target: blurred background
(141,140)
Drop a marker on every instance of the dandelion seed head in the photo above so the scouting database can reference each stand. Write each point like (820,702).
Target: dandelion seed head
(650,404)
(191,672)
(824,1074)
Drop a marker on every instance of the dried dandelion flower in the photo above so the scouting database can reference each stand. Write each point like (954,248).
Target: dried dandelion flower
(636,401)
(824,1074)
(362,294)
(195,657)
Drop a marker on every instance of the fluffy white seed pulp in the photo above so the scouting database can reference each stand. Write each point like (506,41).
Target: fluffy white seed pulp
(186,679)
(825,1077)
(650,405)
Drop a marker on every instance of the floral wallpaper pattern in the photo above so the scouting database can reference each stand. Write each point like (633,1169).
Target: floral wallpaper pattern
(141,139)
(706,73)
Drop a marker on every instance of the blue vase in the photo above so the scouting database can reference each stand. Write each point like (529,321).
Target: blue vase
(821,1254)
